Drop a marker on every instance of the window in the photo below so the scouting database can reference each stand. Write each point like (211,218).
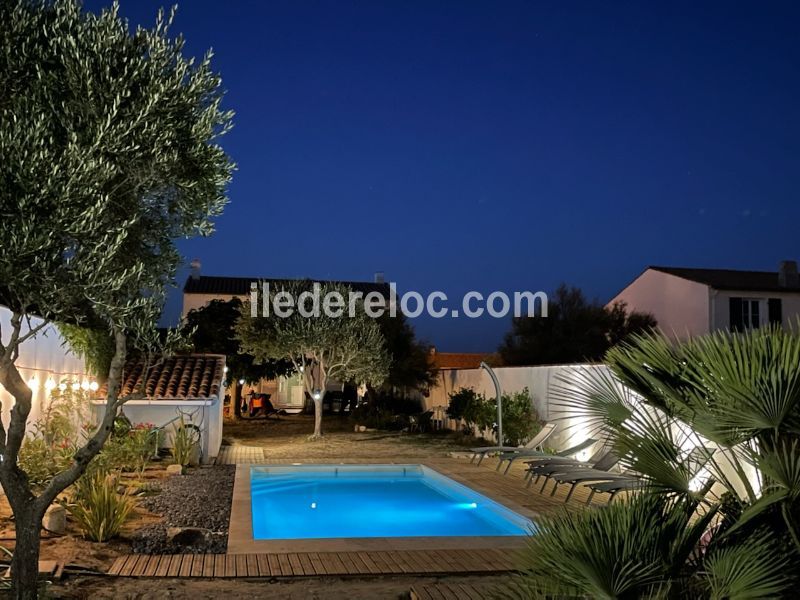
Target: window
(751,313)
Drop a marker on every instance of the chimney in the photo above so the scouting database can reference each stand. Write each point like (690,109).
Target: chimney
(787,274)
(195,265)
(380,278)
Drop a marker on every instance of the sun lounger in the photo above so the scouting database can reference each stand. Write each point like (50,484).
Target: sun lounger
(578,472)
(510,457)
(534,444)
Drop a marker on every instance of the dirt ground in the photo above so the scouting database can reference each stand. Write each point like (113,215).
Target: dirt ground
(384,588)
(287,437)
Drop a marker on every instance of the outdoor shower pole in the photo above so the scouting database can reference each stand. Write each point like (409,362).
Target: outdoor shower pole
(499,402)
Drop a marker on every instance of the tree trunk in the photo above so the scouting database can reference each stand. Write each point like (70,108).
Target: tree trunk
(237,400)
(25,561)
(318,416)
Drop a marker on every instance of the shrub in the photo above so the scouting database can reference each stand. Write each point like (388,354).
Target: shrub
(99,510)
(386,411)
(130,447)
(474,409)
(185,440)
(520,419)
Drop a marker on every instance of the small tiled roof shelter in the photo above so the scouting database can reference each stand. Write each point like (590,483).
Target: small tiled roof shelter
(168,387)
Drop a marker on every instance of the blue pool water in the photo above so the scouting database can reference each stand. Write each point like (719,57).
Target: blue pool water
(363,501)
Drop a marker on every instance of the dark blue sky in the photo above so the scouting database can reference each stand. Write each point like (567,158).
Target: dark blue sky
(511,146)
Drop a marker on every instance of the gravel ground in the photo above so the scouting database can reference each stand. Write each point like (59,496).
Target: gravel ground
(201,498)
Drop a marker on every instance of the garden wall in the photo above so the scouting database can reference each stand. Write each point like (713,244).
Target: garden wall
(44,361)
(539,380)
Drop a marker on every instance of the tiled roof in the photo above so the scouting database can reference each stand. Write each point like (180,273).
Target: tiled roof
(457,360)
(240,286)
(180,377)
(730,279)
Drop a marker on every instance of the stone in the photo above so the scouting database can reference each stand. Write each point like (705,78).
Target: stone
(55,519)
(175,470)
(190,537)
(362,428)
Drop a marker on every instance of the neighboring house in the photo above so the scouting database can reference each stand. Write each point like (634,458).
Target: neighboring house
(286,393)
(457,360)
(181,386)
(687,302)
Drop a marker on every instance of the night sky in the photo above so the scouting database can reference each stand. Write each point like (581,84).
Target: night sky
(510,146)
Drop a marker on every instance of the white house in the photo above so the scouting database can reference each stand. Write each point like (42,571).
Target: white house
(688,302)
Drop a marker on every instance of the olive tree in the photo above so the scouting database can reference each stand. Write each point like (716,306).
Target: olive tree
(108,154)
(348,348)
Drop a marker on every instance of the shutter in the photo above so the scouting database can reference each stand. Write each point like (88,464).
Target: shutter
(775,311)
(735,305)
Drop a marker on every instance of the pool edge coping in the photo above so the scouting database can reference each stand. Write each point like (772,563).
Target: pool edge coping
(240,526)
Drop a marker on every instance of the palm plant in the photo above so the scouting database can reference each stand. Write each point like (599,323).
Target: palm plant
(738,393)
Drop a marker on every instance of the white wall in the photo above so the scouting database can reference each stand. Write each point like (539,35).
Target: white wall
(41,358)
(680,306)
(207,415)
(539,380)
(720,303)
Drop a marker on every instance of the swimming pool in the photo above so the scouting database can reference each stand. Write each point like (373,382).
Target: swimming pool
(367,501)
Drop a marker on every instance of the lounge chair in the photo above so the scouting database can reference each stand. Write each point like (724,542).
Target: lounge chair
(575,473)
(535,444)
(696,460)
(510,457)
(543,466)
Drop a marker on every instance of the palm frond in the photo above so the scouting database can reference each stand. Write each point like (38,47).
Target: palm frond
(752,569)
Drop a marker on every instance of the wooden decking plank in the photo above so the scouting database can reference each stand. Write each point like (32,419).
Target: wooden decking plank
(388,564)
(219,565)
(141,565)
(230,565)
(319,564)
(308,566)
(208,565)
(333,564)
(262,565)
(126,569)
(286,566)
(241,565)
(174,565)
(186,564)
(150,568)
(400,560)
(414,561)
(197,565)
(349,562)
(252,565)
(370,564)
(274,565)
(163,565)
(297,567)
(117,566)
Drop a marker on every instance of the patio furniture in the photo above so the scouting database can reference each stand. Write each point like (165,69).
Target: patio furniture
(696,460)
(534,444)
(544,465)
(598,466)
(510,457)
(260,406)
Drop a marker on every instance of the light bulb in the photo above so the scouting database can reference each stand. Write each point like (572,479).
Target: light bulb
(76,386)
(93,386)
(84,385)
(62,386)
(33,383)
(49,384)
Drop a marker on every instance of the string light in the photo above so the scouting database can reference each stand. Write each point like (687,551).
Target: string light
(62,387)
(33,383)
(49,384)
(93,386)
(84,385)
(76,386)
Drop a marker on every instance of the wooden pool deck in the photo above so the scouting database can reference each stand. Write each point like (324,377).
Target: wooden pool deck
(507,489)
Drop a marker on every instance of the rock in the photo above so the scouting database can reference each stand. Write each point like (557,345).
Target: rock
(460,454)
(175,470)
(55,519)
(362,428)
(193,537)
